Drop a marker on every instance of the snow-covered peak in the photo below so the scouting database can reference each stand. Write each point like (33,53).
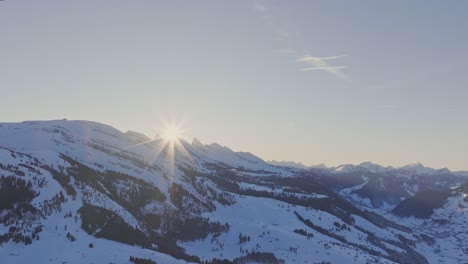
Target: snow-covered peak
(319,166)
(363,167)
(88,140)
(291,164)
(416,166)
(416,169)
(298,165)
(229,157)
(139,137)
(419,169)
(375,168)
(197,143)
(348,168)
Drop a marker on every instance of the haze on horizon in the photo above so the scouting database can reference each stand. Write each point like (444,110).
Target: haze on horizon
(329,82)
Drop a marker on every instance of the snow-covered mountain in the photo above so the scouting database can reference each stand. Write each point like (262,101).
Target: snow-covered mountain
(84,192)
(297,165)
(416,169)
(387,186)
(291,164)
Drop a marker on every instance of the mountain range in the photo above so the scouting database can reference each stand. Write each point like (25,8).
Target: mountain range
(85,192)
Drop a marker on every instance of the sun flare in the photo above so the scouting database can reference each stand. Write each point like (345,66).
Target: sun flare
(172,132)
(168,145)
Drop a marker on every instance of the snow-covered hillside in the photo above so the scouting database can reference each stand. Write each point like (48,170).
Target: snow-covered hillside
(84,192)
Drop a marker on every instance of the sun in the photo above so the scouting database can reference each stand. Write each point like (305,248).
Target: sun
(172,132)
(168,146)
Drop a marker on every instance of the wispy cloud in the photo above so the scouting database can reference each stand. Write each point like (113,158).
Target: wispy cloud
(321,64)
(310,63)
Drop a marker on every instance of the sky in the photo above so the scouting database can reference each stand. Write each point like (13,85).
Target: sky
(331,82)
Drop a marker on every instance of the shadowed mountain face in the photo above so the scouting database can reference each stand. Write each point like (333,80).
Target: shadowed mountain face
(101,195)
(422,204)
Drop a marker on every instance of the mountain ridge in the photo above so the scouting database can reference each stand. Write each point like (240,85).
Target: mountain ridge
(417,168)
(74,176)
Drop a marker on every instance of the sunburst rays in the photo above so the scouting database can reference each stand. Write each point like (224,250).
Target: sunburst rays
(167,147)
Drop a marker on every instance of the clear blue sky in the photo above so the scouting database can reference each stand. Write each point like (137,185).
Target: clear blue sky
(230,71)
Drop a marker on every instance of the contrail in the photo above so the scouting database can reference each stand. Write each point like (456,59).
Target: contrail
(321,64)
(310,58)
(325,68)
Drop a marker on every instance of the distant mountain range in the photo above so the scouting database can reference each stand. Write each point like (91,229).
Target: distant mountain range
(410,169)
(84,192)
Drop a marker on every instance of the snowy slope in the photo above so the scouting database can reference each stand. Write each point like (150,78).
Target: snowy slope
(69,184)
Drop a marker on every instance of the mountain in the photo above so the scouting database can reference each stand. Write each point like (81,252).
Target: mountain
(291,164)
(422,204)
(84,192)
(297,165)
(415,169)
(379,187)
